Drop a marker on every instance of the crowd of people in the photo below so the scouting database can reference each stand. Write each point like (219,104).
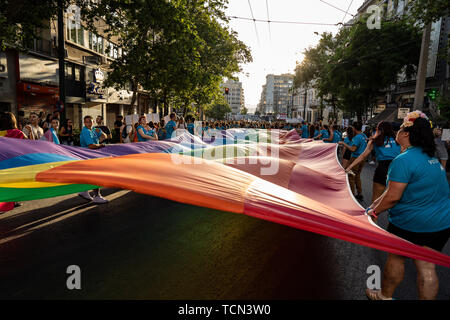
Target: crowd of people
(409,181)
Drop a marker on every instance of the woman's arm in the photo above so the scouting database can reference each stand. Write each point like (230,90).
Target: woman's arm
(362,157)
(330,138)
(390,197)
(350,148)
(143,135)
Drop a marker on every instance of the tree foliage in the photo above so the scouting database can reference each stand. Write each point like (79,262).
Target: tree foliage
(20,21)
(178,50)
(427,11)
(350,70)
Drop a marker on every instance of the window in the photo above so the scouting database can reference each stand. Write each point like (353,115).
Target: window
(69,71)
(77,74)
(75,33)
(100,45)
(95,43)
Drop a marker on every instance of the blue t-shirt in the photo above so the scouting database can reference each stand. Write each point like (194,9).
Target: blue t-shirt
(88,137)
(161,134)
(425,203)
(360,141)
(337,136)
(146,132)
(305,132)
(388,151)
(325,134)
(191,128)
(170,127)
(316,133)
(348,141)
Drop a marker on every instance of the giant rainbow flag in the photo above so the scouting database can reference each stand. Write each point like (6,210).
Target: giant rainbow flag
(271,175)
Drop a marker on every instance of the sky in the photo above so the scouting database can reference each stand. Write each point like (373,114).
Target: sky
(279,50)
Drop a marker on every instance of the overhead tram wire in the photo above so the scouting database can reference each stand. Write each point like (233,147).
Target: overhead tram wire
(254,22)
(337,8)
(346,12)
(286,22)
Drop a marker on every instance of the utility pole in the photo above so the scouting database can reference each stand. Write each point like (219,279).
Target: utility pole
(61,58)
(422,71)
(304,104)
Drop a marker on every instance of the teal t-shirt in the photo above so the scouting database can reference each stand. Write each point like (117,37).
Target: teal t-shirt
(337,136)
(325,134)
(170,128)
(360,141)
(305,132)
(89,136)
(141,138)
(190,128)
(388,151)
(316,133)
(425,203)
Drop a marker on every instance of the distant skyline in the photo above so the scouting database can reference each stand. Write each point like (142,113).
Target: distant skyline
(277,51)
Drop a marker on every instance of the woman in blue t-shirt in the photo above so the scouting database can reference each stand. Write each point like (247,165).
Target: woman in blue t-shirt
(386,150)
(143,132)
(417,198)
(335,135)
(347,153)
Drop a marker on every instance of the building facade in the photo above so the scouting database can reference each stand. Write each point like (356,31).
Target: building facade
(276,97)
(402,93)
(29,82)
(233,93)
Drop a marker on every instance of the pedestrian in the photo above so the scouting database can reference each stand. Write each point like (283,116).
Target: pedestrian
(8,129)
(92,138)
(125,133)
(304,130)
(143,132)
(66,133)
(441,148)
(335,135)
(181,125)
(359,144)
(191,125)
(47,123)
(103,128)
(51,135)
(161,130)
(171,126)
(347,153)
(386,149)
(417,199)
(117,129)
(33,130)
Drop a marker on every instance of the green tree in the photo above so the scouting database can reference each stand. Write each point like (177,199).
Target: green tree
(218,110)
(427,11)
(351,69)
(20,21)
(178,50)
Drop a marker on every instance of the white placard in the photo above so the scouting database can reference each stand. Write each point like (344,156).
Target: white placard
(153,117)
(445,135)
(403,112)
(131,119)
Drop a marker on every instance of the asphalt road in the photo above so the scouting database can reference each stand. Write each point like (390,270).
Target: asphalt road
(141,247)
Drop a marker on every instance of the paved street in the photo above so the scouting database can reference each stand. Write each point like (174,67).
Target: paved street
(141,247)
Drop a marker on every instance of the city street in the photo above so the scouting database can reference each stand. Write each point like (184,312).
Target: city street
(141,247)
